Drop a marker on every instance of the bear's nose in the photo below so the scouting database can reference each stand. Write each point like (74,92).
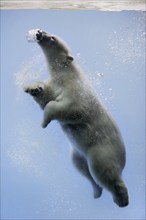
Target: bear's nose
(39,35)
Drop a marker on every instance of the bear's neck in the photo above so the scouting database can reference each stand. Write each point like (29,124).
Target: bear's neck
(63,72)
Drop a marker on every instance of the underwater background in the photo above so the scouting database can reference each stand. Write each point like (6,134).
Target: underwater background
(38,180)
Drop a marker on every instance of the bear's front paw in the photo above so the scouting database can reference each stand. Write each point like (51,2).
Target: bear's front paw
(34,91)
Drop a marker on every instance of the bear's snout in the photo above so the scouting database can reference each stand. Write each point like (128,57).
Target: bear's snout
(39,35)
(34,35)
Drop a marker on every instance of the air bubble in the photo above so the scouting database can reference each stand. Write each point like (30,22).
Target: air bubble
(31,35)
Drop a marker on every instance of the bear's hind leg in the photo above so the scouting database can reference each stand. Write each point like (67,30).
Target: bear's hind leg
(81,165)
(120,195)
(104,169)
(115,184)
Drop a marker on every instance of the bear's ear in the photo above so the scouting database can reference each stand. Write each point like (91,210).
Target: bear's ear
(69,59)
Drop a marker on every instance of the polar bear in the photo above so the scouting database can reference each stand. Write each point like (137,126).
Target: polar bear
(98,150)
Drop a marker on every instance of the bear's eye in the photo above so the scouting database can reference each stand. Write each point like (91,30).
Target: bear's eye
(53,38)
(52,41)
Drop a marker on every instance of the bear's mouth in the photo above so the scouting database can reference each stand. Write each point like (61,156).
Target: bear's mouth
(34,35)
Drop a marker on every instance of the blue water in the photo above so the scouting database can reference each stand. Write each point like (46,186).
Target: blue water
(38,180)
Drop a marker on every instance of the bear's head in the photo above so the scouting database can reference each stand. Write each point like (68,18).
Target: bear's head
(55,49)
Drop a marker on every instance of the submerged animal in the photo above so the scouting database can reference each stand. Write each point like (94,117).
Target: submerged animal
(98,150)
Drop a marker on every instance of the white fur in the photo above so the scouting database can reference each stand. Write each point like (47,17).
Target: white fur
(98,151)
